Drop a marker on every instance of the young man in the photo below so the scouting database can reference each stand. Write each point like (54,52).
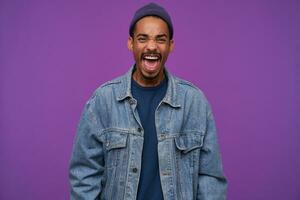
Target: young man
(147,134)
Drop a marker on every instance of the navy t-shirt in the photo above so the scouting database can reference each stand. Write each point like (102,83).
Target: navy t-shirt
(148,99)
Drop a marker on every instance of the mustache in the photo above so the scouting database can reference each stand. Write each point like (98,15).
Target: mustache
(151,53)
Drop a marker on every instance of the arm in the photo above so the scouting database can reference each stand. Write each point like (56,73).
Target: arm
(87,162)
(212,184)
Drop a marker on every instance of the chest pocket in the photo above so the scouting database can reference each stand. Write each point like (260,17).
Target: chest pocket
(115,146)
(186,143)
(187,151)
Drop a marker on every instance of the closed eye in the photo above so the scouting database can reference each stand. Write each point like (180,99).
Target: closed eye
(161,40)
(142,39)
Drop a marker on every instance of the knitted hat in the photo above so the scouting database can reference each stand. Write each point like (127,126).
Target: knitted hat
(151,9)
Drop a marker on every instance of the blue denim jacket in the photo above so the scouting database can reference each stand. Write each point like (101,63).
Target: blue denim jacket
(107,152)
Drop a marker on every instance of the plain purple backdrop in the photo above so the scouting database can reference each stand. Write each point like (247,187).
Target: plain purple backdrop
(244,55)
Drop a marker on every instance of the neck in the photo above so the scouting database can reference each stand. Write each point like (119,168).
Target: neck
(148,82)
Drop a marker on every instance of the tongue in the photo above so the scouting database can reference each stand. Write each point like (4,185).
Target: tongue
(150,65)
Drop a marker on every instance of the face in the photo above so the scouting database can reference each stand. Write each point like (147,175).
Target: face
(151,46)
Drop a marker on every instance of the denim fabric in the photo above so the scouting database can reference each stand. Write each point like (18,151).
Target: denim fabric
(107,152)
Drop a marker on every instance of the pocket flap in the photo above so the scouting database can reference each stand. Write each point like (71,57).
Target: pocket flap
(115,140)
(188,143)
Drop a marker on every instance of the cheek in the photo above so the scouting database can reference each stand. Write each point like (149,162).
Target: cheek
(164,49)
(136,56)
(137,50)
(165,53)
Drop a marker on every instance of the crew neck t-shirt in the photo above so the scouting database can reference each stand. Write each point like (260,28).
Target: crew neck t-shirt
(148,99)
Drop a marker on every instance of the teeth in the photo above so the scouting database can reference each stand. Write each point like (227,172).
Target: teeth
(151,57)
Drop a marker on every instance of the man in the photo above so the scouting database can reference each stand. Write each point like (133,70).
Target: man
(147,134)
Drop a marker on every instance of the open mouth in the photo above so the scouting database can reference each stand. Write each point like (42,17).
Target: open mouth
(151,61)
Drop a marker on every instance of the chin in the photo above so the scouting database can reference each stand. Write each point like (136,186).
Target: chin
(150,76)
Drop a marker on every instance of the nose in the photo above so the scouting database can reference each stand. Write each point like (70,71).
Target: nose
(151,45)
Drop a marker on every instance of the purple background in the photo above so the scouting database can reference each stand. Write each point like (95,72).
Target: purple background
(244,55)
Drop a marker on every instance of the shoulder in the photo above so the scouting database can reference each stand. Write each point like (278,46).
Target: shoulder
(110,86)
(190,94)
(107,91)
(188,88)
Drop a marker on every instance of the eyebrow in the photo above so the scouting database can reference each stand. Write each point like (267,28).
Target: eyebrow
(161,35)
(158,36)
(141,34)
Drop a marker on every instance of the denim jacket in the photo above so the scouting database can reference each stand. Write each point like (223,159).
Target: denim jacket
(107,152)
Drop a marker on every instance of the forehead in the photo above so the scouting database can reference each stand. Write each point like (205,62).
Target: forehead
(151,25)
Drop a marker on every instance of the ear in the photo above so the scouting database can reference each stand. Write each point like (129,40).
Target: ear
(130,44)
(171,45)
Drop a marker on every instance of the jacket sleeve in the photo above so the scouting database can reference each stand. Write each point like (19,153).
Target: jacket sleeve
(87,160)
(212,184)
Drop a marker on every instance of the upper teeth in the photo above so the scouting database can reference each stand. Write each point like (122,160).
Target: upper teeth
(151,57)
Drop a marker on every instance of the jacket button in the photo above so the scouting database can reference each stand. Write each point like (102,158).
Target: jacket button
(134,170)
(131,101)
(139,129)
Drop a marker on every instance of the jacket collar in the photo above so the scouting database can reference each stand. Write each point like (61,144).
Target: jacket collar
(171,94)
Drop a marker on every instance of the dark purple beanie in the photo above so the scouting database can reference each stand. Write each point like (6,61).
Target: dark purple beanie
(151,9)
